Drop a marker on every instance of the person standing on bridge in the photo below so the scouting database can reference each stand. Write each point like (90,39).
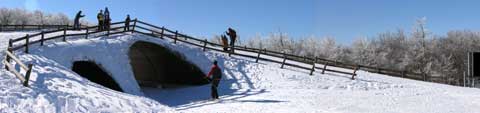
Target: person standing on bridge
(127,23)
(217,76)
(233,36)
(107,19)
(224,42)
(100,20)
(76,23)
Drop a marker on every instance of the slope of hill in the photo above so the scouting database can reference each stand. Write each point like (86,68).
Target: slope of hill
(246,86)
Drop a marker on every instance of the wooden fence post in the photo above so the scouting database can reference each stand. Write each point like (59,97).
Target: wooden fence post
(64,34)
(175,38)
(403,74)
(10,43)
(26,43)
(258,56)
(42,38)
(324,68)
(313,66)
(27,75)
(284,59)
(134,24)
(86,34)
(108,30)
(9,49)
(161,32)
(355,69)
(424,77)
(230,51)
(205,45)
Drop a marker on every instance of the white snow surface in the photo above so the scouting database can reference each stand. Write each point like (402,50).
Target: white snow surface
(247,87)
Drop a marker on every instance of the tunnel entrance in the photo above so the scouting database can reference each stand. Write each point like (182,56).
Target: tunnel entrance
(94,73)
(157,66)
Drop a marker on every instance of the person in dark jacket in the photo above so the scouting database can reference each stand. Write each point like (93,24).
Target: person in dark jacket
(216,74)
(100,20)
(224,42)
(233,37)
(107,19)
(76,23)
(127,23)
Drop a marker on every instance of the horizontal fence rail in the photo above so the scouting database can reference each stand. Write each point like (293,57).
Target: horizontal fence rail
(302,62)
(31,27)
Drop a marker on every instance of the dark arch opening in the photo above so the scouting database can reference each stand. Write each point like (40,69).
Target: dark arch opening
(95,73)
(157,66)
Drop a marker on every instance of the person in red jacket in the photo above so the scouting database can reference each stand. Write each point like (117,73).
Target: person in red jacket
(216,74)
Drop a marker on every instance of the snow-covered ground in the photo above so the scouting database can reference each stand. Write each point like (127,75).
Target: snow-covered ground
(247,86)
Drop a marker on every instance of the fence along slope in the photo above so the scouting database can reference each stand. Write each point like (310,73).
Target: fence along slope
(10,67)
(162,32)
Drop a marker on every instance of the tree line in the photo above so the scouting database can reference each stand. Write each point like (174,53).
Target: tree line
(417,51)
(18,16)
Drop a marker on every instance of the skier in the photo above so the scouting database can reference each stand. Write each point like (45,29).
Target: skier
(233,36)
(217,76)
(224,42)
(100,20)
(76,23)
(127,24)
(107,19)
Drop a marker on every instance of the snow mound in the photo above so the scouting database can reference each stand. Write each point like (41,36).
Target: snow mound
(246,86)
(55,88)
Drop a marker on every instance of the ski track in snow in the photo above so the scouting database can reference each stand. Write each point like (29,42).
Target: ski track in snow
(247,86)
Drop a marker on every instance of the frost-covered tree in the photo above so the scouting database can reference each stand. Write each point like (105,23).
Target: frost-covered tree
(361,53)
(6,16)
(22,17)
(415,59)
(328,48)
(417,51)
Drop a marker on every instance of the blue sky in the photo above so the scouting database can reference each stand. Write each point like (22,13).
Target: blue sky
(345,20)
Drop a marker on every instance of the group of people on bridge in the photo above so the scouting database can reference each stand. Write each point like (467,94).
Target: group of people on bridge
(103,18)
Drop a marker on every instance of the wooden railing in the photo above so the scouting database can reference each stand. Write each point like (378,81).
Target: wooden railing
(31,27)
(144,28)
(10,67)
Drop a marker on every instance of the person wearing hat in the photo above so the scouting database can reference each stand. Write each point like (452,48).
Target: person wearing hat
(127,23)
(233,37)
(216,74)
(76,22)
(100,20)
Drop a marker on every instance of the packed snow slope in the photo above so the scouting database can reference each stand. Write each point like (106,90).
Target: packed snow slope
(55,88)
(247,87)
